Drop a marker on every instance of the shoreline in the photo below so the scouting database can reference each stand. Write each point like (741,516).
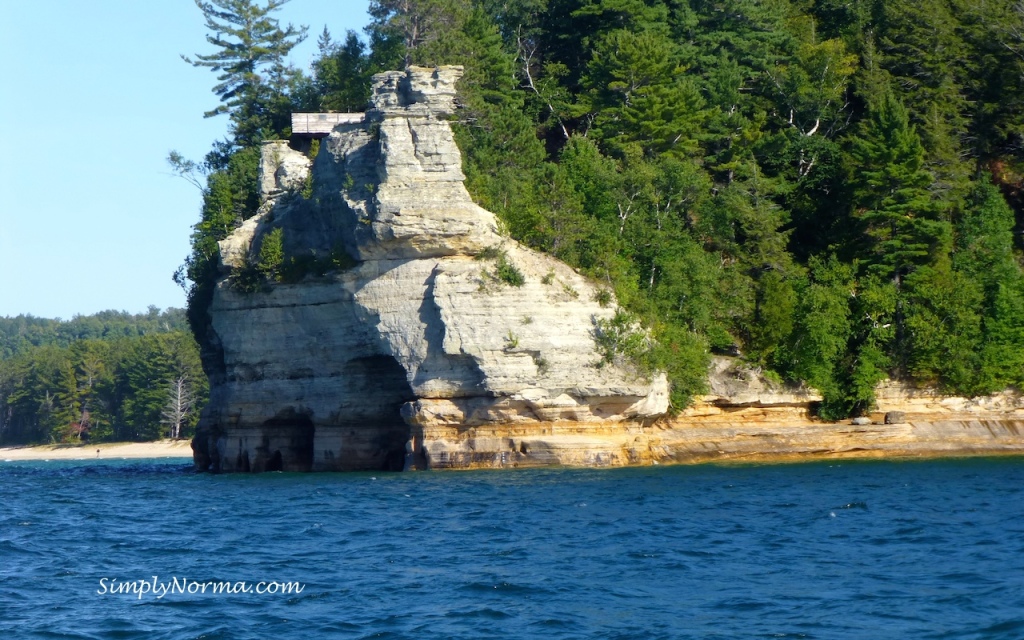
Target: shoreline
(683,443)
(107,450)
(730,438)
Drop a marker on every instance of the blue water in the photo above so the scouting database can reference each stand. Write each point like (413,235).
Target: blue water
(825,550)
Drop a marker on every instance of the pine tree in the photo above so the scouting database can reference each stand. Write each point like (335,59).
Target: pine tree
(984,256)
(254,79)
(411,25)
(891,196)
(823,326)
(992,76)
(922,49)
(569,30)
(341,75)
(638,94)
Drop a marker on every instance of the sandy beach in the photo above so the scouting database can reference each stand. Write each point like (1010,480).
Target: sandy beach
(160,449)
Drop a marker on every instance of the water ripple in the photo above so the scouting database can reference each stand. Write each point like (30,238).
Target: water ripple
(852,550)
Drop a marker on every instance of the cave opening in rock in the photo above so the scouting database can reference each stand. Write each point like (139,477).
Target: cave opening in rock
(293,436)
(276,463)
(379,387)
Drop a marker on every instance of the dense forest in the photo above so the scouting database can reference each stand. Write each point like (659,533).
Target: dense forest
(830,189)
(108,376)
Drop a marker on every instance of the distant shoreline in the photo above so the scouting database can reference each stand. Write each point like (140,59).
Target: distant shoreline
(108,450)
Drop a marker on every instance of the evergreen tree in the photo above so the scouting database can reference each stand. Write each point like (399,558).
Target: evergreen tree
(991,75)
(984,256)
(922,50)
(569,30)
(637,94)
(341,75)
(867,361)
(891,196)
(822,330)
(410,25)
(254,79)
(943,323)
(80,390)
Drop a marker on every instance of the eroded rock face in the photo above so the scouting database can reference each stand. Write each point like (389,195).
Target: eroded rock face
(733,384)
(917,403)
(388,363)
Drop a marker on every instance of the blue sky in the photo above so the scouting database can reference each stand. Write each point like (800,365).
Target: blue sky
(93,96)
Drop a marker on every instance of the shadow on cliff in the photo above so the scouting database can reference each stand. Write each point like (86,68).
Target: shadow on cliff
(461,371)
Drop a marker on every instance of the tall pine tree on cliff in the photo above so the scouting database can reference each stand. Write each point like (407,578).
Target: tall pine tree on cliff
(255,86)
(254,79)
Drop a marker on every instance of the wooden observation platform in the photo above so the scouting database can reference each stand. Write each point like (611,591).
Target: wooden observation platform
(319,125)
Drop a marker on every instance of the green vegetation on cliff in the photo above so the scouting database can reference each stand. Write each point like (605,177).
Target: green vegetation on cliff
(830,188)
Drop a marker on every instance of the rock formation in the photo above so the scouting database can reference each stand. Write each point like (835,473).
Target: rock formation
(410,333)
(407,332)
(747,418)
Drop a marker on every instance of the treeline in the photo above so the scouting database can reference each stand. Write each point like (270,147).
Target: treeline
(832,189)
(23,332)
(108,376)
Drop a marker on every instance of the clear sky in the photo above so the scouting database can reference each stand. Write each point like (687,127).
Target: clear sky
(93,96)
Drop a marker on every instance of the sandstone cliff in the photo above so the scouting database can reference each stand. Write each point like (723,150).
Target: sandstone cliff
(746,418)
(413,322)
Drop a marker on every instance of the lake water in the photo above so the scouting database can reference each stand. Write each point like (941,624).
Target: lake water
(835,550)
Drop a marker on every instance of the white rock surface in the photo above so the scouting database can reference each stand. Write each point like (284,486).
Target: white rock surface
(282,168)
(733,383)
